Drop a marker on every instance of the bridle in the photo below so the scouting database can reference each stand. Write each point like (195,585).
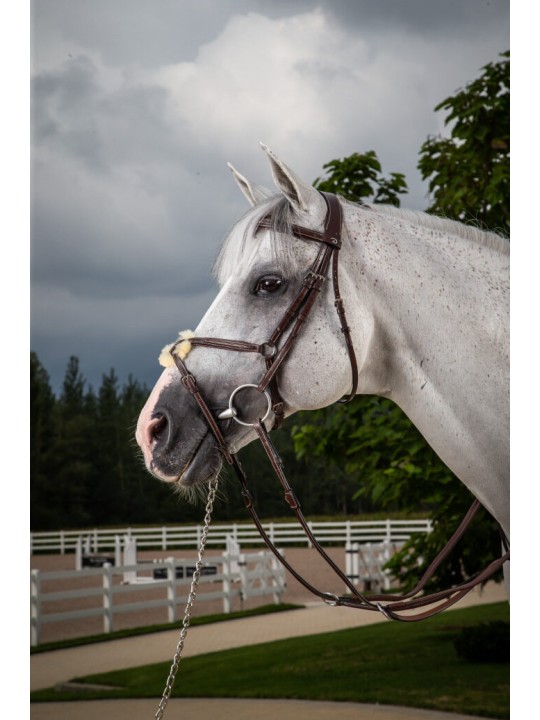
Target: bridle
(294,318)
(274,352)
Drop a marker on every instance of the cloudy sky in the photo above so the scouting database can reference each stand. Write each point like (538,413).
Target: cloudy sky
(137,105)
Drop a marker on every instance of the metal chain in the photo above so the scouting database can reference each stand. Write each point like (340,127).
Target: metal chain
(212,488)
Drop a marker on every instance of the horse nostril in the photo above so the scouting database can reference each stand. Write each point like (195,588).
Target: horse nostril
(156,428)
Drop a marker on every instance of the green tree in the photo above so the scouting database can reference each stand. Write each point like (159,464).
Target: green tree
(469,172)
(71,469)
(106,494)
(359,176)
(42,413)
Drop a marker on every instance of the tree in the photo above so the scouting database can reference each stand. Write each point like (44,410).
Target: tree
(469,172)
(42,404)
(74,468)
(359,176)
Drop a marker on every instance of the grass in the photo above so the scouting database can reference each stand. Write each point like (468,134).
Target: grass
(410,664)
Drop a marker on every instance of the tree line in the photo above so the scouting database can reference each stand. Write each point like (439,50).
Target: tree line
(86,469)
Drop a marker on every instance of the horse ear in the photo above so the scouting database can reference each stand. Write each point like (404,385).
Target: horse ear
(303,197)
(254,193)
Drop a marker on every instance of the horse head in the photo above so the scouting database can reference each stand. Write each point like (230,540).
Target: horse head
(261,271)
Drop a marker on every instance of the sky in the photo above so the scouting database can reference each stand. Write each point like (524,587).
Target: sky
(138,105)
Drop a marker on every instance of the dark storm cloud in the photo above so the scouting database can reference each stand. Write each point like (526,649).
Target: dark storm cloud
(417,16)
(137,106)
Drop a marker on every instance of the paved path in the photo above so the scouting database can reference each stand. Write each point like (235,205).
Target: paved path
(231,709)
(48,669)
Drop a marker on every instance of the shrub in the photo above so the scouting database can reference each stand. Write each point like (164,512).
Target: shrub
(486,642)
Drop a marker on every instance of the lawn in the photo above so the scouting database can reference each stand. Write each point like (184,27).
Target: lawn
(411,664)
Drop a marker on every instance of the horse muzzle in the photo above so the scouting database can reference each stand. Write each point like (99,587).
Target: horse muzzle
(177,441)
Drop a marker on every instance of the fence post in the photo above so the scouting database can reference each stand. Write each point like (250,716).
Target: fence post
(163,537)
(243,576)
(276,569)
(107,599)
(78,554)
(118,550)
(226,581)
(35,608)
(351,562)
(388,530)
(130,558)
(171,589)
(388,551)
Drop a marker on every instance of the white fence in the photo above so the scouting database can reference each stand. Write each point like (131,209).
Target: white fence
(168,537)
(224,577)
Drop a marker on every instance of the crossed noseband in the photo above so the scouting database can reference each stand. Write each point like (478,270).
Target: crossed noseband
(274,351)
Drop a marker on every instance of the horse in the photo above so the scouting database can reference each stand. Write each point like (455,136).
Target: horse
(427,326)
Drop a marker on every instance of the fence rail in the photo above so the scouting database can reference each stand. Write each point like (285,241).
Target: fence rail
(169,537)
(228,576)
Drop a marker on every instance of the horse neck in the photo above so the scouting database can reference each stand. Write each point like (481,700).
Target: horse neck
(431,329)
(415,288)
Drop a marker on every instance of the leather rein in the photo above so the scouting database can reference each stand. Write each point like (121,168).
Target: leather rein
(274,352)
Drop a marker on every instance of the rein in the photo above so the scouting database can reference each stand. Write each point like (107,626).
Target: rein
(274,352)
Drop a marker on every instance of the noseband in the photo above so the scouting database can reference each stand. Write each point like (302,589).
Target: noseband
(274,351)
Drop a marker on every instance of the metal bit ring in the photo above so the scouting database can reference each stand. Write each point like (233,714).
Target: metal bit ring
(233,413)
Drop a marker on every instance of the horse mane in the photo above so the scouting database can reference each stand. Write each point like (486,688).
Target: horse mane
(491,240)
(239,249)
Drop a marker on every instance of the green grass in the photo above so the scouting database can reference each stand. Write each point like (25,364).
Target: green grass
(411,664)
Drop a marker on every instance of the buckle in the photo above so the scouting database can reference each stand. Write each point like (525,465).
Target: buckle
(268,350)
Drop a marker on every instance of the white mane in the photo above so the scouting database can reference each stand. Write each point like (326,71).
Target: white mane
(468,232)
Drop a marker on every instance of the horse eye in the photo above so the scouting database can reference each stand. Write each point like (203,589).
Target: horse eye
(268,284)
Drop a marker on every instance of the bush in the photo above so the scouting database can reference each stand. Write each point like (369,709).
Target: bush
(486,642)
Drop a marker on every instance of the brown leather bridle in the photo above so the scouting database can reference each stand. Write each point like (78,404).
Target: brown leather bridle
(274,352)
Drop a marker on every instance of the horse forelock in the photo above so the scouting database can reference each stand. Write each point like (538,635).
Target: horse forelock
(241,245)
